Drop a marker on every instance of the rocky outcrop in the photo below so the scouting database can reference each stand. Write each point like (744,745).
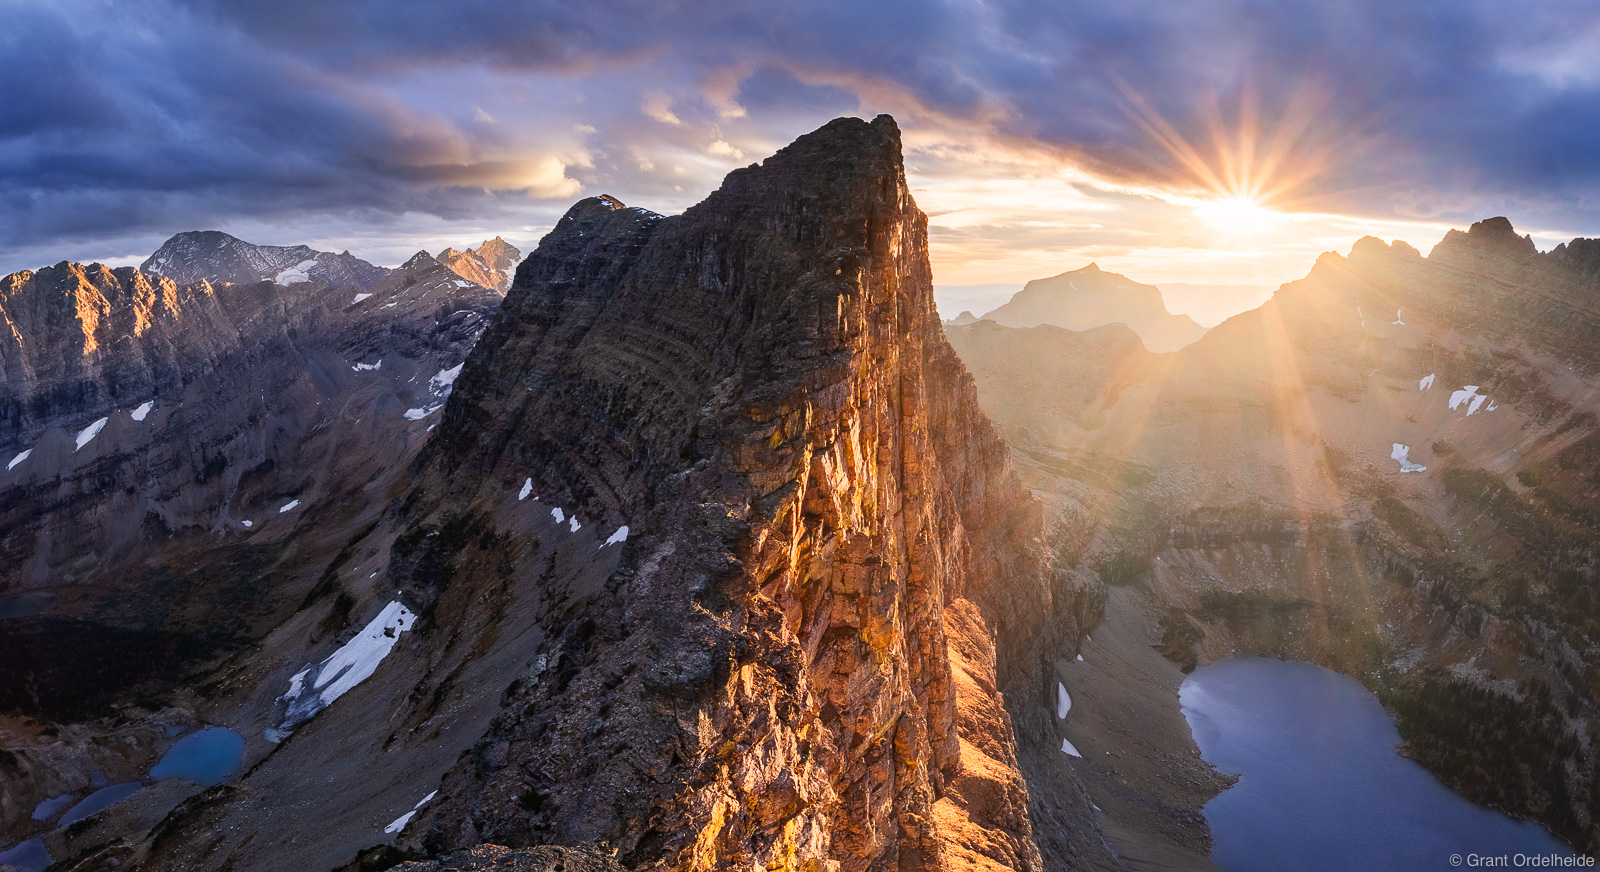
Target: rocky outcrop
(494,858)
(1492,236)
(214,256)
(1090,297)
(491,264)
(825,537)
(716,564)
(1381,470)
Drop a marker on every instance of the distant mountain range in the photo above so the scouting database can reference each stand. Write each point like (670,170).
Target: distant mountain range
(148,423)
(1090,297)
(217,257)
(214,256)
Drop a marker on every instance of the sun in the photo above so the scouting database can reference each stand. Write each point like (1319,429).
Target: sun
(1238,216)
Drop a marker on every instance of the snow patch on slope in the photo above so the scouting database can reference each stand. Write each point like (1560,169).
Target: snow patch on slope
(314,688)
(1402,453)
(87,434)
(300,272)
(400,822)
(446,379)
(440,386)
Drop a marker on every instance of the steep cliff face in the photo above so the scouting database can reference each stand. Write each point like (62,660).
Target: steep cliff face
(1090,297)
(1383,469)
(831,515)
(716,562)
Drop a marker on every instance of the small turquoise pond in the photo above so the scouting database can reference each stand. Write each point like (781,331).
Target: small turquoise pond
(1321,786)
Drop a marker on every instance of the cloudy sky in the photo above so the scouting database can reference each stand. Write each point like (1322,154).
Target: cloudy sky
(1205,142)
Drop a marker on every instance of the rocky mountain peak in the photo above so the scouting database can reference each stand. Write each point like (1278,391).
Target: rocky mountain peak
(712,558)
(491,264)
(214,256)
(1582,256)
(423,260)
(1089,297)
(715,491)
(1491,236)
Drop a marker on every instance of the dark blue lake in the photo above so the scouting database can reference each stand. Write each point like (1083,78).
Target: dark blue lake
(30,856)
(98,801)
(207,756)
(1321,786)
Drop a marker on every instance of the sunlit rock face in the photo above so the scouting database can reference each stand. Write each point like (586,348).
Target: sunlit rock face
(792,666)
(1090,297)
(491,264)
(1385,469)
(820,643)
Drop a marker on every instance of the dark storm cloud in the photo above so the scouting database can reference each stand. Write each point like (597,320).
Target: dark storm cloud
(1432,78)
(125,120)
(141,116)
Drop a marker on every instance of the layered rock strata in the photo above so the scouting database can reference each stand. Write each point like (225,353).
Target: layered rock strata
(716,565)
(795,660)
